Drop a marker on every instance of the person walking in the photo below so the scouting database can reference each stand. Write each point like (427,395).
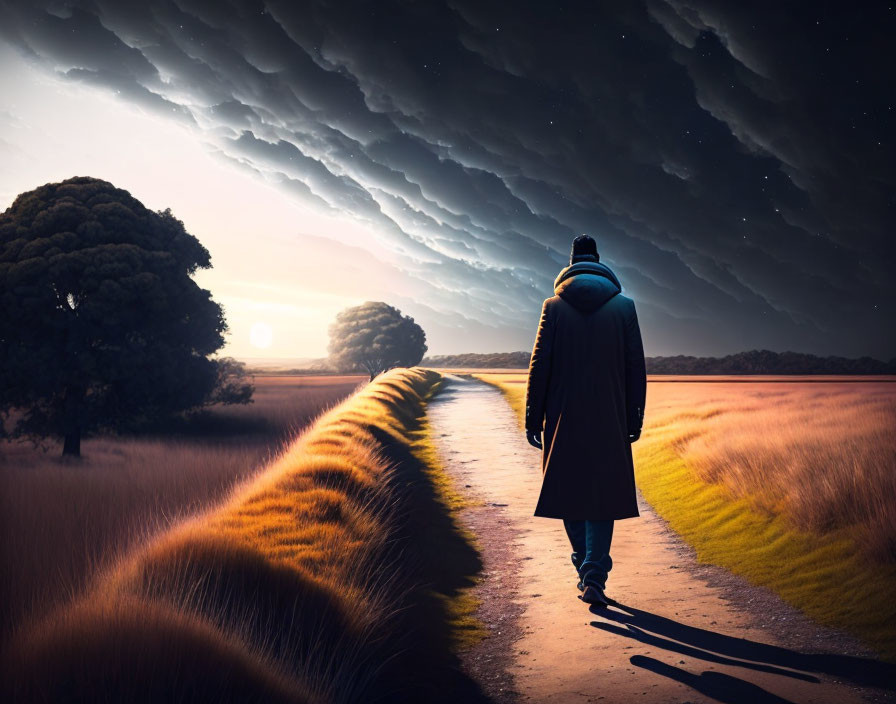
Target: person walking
(585,397)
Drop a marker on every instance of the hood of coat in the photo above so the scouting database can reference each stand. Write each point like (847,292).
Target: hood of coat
(587,285)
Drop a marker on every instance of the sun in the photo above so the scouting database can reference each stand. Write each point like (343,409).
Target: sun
(261,335)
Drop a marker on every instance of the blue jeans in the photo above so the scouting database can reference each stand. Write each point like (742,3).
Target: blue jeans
(590,542)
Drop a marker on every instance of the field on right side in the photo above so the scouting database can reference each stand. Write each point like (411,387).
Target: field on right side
(788,482)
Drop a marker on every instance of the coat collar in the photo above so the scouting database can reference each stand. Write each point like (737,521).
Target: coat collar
(595,268)
(587,285)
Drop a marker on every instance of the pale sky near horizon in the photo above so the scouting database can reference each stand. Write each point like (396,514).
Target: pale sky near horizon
(268,268)
(735,165)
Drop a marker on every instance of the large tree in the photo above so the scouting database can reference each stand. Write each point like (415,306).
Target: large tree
(102,324)
(376,337)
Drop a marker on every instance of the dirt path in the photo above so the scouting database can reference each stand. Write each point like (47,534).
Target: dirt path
(682,632)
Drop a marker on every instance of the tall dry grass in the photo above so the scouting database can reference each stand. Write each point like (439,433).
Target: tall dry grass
(324,579)
(61,521)
(821,454)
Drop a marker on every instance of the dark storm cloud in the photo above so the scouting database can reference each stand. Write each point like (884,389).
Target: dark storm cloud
(732,160)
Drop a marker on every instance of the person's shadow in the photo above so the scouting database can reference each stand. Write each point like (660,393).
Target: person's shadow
(671,635)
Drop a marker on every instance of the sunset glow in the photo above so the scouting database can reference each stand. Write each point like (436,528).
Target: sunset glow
(261,335)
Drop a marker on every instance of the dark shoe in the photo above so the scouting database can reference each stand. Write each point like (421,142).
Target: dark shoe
(594,595)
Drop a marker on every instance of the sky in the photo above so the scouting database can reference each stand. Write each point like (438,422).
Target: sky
(733,161)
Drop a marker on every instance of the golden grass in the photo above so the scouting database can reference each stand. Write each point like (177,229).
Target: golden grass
(328,578)
(790,485)
(63,520)
(821,455)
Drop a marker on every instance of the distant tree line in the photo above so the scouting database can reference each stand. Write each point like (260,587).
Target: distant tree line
(751,362)
(768,362)
(496,360)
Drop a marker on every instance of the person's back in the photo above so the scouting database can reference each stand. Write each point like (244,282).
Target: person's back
(586,391)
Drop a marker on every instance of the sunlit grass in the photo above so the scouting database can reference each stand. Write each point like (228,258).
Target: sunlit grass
(62,519)
(330,576)
(822,455)
(789,484)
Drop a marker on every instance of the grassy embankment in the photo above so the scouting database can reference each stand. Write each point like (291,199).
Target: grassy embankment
(790,485)
(63,519)
(333,576)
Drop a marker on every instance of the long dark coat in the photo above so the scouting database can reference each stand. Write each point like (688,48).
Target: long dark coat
(586,390)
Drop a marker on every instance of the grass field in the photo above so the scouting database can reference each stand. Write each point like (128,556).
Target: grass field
(63,520)
(332,576)
(788,483)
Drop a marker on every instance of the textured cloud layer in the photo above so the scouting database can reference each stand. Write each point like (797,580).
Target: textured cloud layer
(734,165)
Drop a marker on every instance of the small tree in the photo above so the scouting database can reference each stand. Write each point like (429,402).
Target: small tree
(102,324)
(232,385)
(376,337)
